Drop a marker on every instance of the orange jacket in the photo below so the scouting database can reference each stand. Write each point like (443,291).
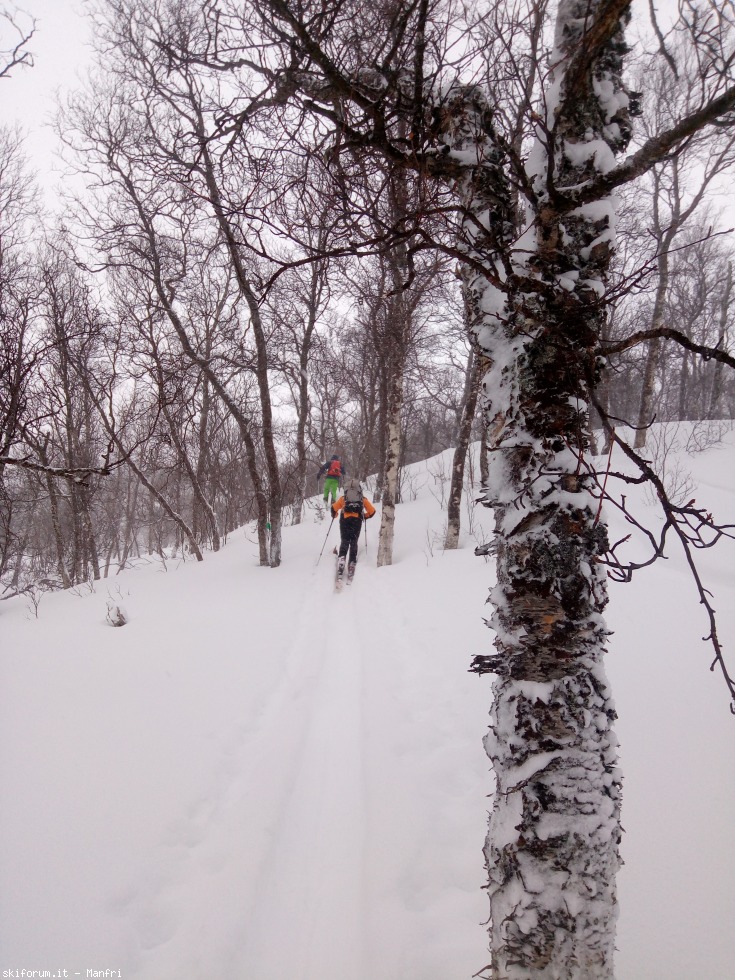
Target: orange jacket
(367,509)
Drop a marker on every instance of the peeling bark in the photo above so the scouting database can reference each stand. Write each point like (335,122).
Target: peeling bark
(552,844)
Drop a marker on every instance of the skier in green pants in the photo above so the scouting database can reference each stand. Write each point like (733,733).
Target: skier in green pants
(334,473)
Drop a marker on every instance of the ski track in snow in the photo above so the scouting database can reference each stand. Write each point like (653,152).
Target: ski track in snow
(315,862)
(299,870)
(330,872)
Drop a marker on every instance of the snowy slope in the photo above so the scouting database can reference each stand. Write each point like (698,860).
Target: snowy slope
(256,779)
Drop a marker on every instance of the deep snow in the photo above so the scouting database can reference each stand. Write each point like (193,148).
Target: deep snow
(257,779)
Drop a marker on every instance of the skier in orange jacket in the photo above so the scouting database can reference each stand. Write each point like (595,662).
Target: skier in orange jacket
(355,508)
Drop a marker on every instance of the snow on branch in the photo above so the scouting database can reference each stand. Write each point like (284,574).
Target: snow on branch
(654,150)
(78,474)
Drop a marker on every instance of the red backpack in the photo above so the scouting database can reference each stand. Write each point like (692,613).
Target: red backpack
(335,468)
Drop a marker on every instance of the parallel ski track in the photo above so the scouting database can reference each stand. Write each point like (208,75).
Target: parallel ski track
(301,839)
(315,861)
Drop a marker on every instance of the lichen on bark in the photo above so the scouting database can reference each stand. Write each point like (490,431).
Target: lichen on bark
(537,309)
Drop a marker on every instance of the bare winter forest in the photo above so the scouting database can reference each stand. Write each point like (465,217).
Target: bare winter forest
(382,230)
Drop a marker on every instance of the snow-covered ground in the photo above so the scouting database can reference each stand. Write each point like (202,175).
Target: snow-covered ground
(257,779)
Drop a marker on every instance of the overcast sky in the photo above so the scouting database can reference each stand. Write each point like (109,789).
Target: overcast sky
(27,98)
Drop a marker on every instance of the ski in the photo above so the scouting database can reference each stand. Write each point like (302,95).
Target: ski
(350,572)
(339,578)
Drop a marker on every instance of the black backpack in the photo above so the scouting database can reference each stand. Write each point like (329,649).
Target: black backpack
(353,500)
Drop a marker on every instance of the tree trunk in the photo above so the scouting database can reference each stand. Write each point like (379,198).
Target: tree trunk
(396,362)
(274,515)
(484,462)
(554,831)
(179,522)
(716,408)
(90,543)
(129,534)
(648,390)
(200,497)
(201,470)
(66,579)
(166,299)
(53,497)
(23,543)
(459,459)
(382,449)
(682,409)
(398,324)
(391,469)
(303,403)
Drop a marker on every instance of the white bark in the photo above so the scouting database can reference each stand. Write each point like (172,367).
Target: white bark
(552,845)
(390,485)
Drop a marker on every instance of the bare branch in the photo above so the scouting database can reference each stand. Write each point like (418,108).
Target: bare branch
(694,526)
(17,53)
(668,333)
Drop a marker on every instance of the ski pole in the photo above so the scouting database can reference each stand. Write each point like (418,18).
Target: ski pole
(366,548)
(325,540)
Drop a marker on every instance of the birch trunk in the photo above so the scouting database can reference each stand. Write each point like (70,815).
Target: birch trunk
(91,553)
(178,521)
(274,513)
(166,299)
(302,410)
(58,537)
(201,470)
(392,459)
(484,460)
(130,533)
(382,438)
(648,391)
(23,543)
(552,844)
(399,324)
(303,405)
(459,458)
(716,406)
(200,497)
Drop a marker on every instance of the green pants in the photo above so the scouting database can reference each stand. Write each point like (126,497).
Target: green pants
(331,485)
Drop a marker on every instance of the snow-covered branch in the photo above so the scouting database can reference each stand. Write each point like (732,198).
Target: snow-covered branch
(654,150)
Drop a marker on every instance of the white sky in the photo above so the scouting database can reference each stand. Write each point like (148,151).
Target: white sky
(28,96)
